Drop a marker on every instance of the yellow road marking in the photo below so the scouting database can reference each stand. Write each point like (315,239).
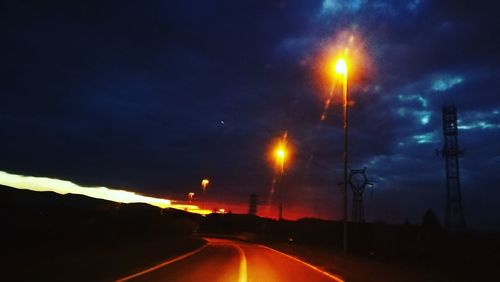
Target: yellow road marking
(243,264)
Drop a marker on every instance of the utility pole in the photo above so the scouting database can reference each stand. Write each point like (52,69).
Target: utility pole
(252,204)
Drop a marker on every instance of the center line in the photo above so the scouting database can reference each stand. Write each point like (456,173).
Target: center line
(243,264)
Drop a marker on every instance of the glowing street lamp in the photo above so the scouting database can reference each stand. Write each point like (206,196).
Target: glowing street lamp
(280,154)
(341,68)
(204,184)
(190,196)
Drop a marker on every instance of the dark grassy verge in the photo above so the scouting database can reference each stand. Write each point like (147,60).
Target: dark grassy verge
(51,237)
(70,262)
(357,269)
(377,251)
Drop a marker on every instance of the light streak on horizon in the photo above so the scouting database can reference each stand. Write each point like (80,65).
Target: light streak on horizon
(45,184)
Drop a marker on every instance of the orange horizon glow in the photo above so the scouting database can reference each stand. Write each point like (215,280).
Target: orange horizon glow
(44,184)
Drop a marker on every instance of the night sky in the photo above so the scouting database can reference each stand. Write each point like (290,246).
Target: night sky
(152,97)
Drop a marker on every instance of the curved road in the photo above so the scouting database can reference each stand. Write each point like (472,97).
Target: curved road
(226,260)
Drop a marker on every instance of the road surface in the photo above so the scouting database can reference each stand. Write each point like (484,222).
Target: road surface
(226,260)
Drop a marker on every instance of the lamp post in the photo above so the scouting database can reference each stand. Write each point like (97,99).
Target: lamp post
(341,68)
(280,154)
(204,186)
(190,197)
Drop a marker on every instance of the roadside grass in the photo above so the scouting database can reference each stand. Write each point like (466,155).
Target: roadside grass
(73,262)
(363,269)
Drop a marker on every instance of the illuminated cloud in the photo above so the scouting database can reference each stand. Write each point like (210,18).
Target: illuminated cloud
(446,83)
(430,137)
(479,125)
(419,98)
(332,7)
(480,120)
(335,7)
(413,5)
(424,116)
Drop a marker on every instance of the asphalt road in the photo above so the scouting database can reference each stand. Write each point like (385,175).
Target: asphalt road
(226,260)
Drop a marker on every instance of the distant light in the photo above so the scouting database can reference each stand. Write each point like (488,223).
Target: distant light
(222,122)
(204,183)
(280,155)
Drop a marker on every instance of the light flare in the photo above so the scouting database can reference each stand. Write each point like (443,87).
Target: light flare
(45,184)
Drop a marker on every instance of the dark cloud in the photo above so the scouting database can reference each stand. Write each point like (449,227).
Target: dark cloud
(157,95)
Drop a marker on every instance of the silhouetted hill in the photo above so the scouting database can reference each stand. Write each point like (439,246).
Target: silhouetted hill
(43,232)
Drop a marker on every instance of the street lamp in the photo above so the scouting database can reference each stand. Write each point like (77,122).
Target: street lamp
(341,68)
(204,186)
(190,197)
(280,155)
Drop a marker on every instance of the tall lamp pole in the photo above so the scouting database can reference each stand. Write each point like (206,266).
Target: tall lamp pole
(280,153)
(341,68)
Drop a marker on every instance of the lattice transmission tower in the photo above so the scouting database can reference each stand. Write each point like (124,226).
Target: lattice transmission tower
(358,182)
(451,152)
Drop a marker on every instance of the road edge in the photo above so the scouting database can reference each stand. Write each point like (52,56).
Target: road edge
(332,276)
(153,268)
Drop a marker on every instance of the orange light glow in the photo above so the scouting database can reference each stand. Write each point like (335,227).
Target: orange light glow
(344,54)
(281,154)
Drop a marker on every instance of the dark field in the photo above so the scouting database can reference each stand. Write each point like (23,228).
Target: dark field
(50,237)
